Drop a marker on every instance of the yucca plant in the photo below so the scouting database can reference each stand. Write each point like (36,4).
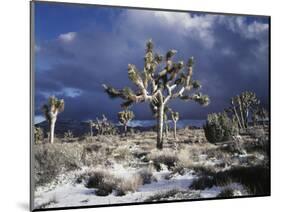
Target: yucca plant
(158,86)
(125,117)
(51,111)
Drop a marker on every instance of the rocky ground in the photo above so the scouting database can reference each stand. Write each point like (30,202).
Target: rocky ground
(126,169)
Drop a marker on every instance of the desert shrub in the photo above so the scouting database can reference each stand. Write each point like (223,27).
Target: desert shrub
(68,136)
(219,127)
(163,195)
(103,181)
(106,183)
(146,176)
(93,154)
(225,193)
(165,157)
(38,135)
(202,182)
(129,185)
(122,153)
(258,145)
(48,203)
(173,194)
(255,179)
(51,160)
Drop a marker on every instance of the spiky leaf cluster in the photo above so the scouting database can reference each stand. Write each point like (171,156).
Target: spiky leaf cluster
(125,116)
(175,116)
(54,106)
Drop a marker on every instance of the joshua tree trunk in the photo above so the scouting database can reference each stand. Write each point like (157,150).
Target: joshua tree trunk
(91,130)
(241,114)
(52,130)
(175,130)
(125,129)
(246,117)
(237,117)
(160,127)
(166,129)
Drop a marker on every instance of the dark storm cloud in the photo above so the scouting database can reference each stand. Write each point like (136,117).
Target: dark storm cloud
(231,56)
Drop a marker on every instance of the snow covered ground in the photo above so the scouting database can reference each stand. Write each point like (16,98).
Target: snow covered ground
(68,193)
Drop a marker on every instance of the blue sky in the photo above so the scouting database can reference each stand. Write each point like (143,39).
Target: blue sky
(78,48)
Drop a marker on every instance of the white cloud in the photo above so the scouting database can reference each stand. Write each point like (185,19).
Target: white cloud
(227,52)
(39,119)
(67,92)
(67,37)
(198,27)
(254,30)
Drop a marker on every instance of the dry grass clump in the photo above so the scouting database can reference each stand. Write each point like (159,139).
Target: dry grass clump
(129,185)
(166,157)
(146,175)
(226,193)
(173,194)
(122,153)
(50,160)
(105,183)
(48,203)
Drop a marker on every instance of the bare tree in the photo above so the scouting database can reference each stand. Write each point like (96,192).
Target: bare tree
(158,86)
(51,111)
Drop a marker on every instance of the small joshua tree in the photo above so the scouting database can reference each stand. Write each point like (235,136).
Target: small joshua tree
(158,86)
(125,117)
(68,135)
(104,126)
(51,111)
(175,117)
(91,128)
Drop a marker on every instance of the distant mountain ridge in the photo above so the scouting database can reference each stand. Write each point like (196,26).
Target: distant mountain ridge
(79,128)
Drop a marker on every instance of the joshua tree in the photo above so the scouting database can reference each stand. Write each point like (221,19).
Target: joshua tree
(175,118)
(104,127)
(125,117)
(242,105)
(158,87)
(51,111)
(68,136)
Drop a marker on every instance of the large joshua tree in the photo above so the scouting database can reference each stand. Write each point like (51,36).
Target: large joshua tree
(158,86)
(51,111)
